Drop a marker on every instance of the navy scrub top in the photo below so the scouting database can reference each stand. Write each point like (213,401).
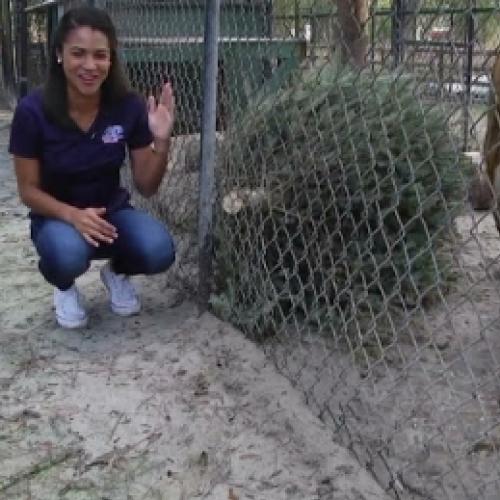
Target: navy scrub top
(76,167)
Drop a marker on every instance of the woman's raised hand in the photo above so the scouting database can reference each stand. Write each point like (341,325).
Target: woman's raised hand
(161,115)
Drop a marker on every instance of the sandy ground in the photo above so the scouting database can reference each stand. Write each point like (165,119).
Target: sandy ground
(167,405)
(174,405)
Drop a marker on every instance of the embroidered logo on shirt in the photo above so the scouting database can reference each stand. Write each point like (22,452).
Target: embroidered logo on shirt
(112,134)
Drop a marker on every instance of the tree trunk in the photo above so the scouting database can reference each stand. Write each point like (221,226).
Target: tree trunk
(352,39)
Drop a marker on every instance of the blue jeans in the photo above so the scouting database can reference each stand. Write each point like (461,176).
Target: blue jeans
(143,246)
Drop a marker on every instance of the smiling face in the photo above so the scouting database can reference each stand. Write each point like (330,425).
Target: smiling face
(86,60)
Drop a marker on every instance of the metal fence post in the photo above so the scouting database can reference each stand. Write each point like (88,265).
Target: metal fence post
(469,47)
(208,150)
(22,60)
(397,31)
(296,20)
(372,35)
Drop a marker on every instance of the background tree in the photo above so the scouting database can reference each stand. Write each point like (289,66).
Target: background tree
(352,40)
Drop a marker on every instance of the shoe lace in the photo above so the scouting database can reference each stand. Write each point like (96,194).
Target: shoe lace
(124,287)
(71,299)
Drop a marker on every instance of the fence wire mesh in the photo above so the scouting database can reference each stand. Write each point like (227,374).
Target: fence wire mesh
(346,243)
(163,41)
(350,144)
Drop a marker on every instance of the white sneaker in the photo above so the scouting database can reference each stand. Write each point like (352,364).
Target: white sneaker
(123,296)
(70,312)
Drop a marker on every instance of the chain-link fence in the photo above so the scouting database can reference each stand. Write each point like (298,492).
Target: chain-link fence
(8,43)
(172,49)
(344,242)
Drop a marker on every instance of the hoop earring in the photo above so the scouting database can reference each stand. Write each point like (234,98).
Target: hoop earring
(59,60)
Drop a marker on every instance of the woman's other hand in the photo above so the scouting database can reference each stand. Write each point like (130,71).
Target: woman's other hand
(92,226)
